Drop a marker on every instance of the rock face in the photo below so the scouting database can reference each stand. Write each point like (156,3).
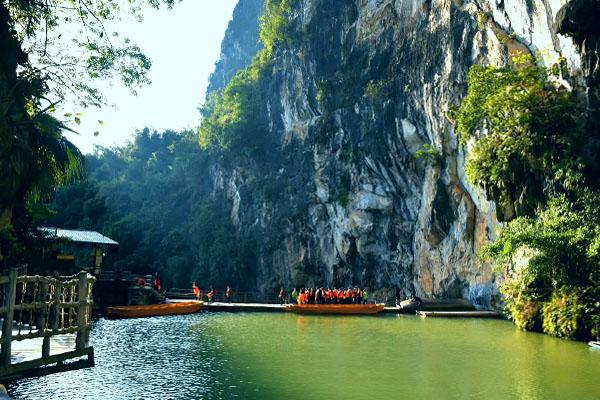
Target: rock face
(343,198)
(240,43)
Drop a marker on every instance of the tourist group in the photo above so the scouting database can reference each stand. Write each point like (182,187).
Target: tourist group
(327,296)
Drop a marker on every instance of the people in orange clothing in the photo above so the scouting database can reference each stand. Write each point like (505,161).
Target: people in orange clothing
(320,295)
(211,295)
(197,291)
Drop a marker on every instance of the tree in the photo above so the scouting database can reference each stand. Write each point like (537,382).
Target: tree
(51,50)
(526,142)
(530,153)
(71,47)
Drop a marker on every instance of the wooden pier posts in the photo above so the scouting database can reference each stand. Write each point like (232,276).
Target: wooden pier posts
(82,311)
(46,307)
(8,309)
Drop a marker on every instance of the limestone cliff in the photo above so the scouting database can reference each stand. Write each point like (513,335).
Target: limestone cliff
(240,43)
(342,198)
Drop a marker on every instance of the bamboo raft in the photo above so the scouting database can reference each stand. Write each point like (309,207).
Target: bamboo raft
(154,310)
(338,309)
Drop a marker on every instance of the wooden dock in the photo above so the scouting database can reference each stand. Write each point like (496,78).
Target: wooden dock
(52,315)
(410,306)
(265,307)
(241,307)
(459,314)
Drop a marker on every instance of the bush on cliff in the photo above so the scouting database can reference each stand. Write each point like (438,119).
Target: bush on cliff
(529,153)
(234,116)
(558,288)
(524,135)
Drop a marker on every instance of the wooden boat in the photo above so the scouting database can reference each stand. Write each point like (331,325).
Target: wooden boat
(417,304)
(184,307)
(595,344)
(341,309)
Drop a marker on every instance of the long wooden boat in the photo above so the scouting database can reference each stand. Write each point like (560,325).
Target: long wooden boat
(184,307)
(594,344)
(341,309)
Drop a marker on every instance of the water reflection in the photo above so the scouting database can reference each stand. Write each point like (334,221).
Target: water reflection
(284,356)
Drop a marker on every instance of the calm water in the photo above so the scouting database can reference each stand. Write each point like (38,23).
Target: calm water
(284,356)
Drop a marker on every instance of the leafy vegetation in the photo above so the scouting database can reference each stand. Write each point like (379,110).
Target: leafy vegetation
(234,117)
(430,154)
(275,25)
(532,157)
(324,94)
(376,89)
(482,19)
(526,141)
(558,290)
(70,46)
(231,116)
(52,51)
(156,199)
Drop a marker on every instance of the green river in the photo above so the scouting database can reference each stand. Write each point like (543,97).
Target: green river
(286,356)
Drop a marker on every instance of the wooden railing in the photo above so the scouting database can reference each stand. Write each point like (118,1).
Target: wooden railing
(42,307)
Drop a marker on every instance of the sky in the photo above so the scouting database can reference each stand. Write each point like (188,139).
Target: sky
(183,44)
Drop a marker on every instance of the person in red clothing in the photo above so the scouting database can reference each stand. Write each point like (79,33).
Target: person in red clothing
(156,283)
(197,291)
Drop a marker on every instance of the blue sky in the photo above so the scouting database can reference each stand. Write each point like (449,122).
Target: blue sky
(184,45)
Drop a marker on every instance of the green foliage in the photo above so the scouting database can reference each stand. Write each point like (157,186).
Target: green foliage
(234,117)
(525,135)
(53,51)
(532,157)
(230,115)
(561,272)
(275,24)
(155,198)
(70,45)
(376,89)
(430,154)
(564,315)
(34,156)
(324,94)
(482,19)
(523,308)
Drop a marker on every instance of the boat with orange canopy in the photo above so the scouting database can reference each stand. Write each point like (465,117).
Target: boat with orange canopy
(339,309)
(153,310)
